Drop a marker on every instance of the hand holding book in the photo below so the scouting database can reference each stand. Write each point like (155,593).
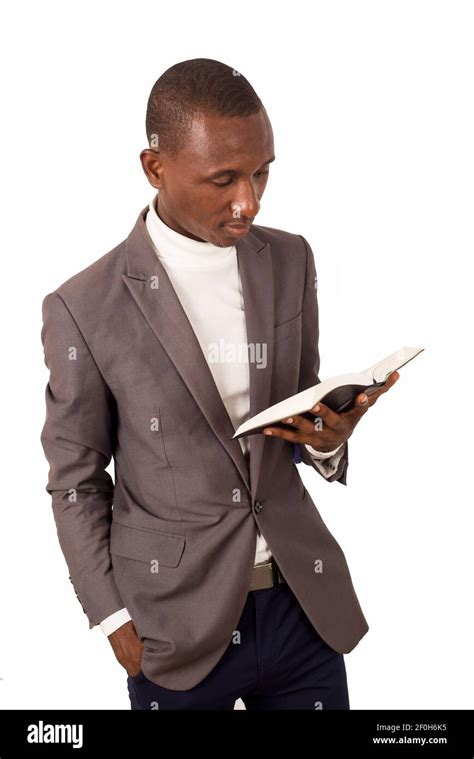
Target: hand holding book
(325,415)
(333,429)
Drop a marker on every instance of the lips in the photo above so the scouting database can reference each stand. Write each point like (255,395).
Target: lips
(237,230)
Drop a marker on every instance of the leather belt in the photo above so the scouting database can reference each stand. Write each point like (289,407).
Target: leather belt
(265,575)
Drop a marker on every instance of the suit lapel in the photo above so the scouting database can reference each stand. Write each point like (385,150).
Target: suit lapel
(256,274)
(154,294)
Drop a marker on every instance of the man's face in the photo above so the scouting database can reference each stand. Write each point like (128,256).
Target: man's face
(218,177)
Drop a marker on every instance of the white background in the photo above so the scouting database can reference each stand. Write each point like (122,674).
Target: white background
(372,110)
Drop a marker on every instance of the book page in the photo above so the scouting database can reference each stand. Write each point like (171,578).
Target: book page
(303,401)
(381,370)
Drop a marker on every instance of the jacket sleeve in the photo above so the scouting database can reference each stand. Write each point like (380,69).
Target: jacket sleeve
(77,439)
(309,369)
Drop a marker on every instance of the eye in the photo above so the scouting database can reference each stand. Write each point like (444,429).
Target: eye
(226,184)
(223,184)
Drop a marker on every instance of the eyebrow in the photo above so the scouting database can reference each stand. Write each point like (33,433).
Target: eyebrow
(221,172)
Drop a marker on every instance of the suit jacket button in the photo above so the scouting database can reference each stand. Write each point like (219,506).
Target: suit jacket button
(258,507)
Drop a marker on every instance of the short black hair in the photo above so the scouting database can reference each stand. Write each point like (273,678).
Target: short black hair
(189,87)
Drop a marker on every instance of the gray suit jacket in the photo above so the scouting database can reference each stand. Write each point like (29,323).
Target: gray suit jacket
(174,539)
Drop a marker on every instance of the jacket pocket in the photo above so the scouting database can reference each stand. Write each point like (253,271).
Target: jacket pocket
(146,545)
(287,329)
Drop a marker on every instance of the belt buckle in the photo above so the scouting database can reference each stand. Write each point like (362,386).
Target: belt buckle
(266,575)
(275,573)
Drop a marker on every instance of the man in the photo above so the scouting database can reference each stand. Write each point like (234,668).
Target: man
(206,564)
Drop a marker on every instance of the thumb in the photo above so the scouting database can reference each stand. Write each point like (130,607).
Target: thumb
(362,401)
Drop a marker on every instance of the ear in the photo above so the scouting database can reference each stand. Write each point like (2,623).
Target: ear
(152,166)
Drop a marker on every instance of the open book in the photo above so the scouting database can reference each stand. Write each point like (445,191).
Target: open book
(339,393)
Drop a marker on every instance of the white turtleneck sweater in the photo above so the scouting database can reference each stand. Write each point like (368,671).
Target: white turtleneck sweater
(207,282)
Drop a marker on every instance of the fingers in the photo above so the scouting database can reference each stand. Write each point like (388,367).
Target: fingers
(300,422)
(290,435)
(330,418)
(392,379)
(303,428)
(360,406)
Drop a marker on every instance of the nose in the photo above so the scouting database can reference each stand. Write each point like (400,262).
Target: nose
(246,204)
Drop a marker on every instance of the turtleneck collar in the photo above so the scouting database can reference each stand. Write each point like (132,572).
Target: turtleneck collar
(175,248)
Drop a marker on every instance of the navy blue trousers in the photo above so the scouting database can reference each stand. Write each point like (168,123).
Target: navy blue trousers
(278,661)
